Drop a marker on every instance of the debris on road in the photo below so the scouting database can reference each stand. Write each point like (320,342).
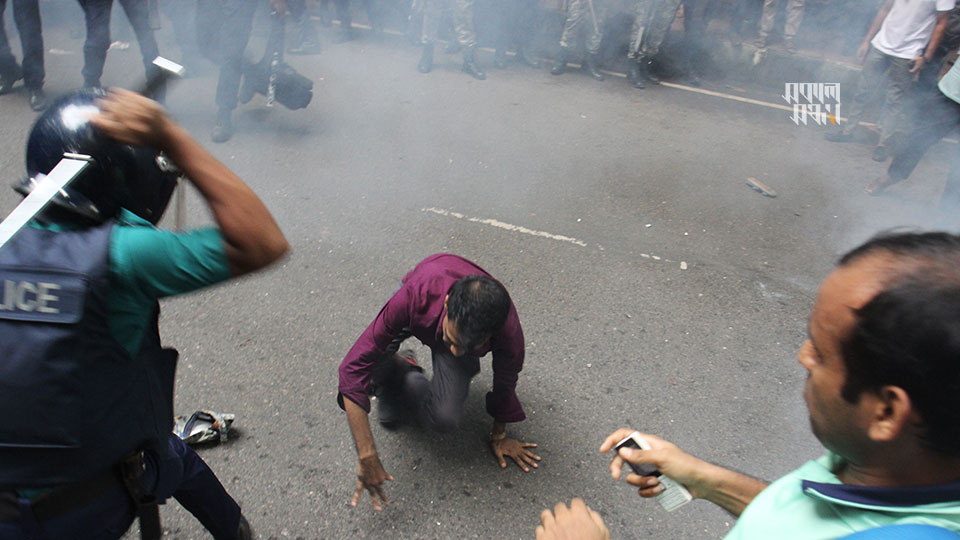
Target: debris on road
(203,426)
(759,186)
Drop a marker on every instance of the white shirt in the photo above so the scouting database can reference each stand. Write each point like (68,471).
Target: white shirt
(908,27)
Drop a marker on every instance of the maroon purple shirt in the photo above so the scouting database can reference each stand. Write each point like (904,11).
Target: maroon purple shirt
(418,307)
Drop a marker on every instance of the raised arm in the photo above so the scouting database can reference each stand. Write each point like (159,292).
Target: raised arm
(253,239)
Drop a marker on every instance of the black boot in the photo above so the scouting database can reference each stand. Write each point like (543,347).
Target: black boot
(590,66)
(8,79)
(38,100)
(426,59)
(634,76)
(244,531)
(561,64)
(644,64)
(470,64)
(500,59)
(524,55)
(223,130)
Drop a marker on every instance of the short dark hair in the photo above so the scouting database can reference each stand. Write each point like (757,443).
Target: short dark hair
(479,306)
(908,334)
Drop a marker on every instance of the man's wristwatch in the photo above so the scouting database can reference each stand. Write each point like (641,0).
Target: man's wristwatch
(498,436)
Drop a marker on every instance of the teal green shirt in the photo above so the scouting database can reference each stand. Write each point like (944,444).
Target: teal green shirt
(811,503)
(148,263)
(950,83)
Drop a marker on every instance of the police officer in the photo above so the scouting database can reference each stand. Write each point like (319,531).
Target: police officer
(26,15)
(96,13)
(223,30)
(516,26)
(582,15)
(650,26)
(463,27)
(85,387)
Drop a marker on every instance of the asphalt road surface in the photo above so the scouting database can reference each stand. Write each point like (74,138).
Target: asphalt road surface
(664,294)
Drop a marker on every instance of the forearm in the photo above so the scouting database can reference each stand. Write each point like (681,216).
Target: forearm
(937,36)
(878,21)
(252,236)
(359,422)
(728,489)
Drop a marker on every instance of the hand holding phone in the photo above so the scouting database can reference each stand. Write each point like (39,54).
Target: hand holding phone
(674,495)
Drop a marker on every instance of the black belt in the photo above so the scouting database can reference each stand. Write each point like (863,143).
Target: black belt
(61,500)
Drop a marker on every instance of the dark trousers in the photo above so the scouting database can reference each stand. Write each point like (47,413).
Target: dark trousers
(346,20)
(745,15)
(175,470)
(437,403)
(182,15)
(26,15)
(97,16)
(516,24)
(891,76)
(306,31)
(223,30)
(696,17)
(939,115)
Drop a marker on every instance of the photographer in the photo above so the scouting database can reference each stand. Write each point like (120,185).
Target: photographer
(882,358)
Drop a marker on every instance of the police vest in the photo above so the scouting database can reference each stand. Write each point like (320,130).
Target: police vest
(72,400)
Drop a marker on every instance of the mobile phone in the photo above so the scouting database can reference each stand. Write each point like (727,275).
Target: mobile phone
(635,441)
(674,495)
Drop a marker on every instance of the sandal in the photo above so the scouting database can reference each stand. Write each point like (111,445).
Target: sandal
(203,426)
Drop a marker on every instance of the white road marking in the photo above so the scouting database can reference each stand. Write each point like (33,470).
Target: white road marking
(506,226)
(524,230)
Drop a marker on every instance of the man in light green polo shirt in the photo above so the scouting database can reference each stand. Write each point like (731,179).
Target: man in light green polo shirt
(883,394)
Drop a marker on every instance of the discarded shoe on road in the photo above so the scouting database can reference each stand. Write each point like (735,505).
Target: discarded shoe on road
(203,426)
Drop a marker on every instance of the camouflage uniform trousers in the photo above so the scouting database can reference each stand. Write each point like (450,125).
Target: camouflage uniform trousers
(650,26)
(794,18)
(462,20)
(580,13)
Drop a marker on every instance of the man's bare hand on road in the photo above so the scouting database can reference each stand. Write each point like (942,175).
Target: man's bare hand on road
(516,450)
(370,477)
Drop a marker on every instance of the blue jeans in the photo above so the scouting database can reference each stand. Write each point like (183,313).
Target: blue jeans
(175,470)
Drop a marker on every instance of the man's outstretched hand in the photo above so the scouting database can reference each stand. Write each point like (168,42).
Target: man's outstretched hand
(517,451)
(370,478)
(578,522)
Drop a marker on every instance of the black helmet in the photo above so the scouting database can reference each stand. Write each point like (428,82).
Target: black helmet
(120,176)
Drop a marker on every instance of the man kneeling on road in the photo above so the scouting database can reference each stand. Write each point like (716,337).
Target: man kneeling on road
(458,310)
(883,363)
